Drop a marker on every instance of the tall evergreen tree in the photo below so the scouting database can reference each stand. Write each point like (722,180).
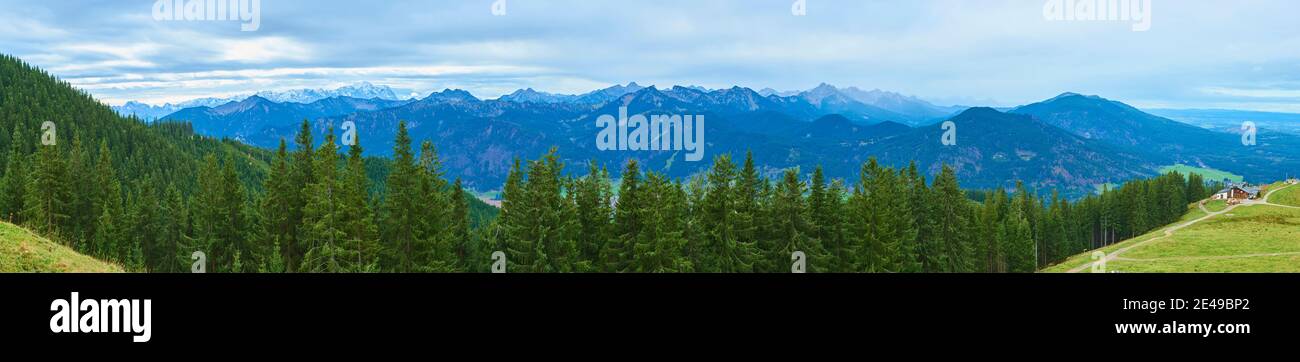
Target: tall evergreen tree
(459,229)
(618,252)
(593,198)
(322,233)
(791,226)
(952,221)
(14,182)
(301,170)
(659,247)
(48,193)
(436,251)
(1016,235)
(355,216)
(277,211)
(82,186)
(172,234)
(725,252)
(401,215)
(511,235)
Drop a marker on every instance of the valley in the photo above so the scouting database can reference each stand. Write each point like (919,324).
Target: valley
(1070,143)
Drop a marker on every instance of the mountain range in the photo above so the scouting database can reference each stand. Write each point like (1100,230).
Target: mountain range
(1070,142)
(361,90)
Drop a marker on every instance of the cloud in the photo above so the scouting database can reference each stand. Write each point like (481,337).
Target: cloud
(1254,93)
(262,50)
(999,51)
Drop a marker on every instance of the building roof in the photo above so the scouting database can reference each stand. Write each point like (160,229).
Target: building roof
(1252,190)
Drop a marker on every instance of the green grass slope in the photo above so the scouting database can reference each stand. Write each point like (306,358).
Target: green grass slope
(1250,238)
(22,251)
(1208,173)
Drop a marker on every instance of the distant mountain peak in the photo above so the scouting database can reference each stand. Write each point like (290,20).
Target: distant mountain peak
(823,92)
(531,95)
(453,95)
(1067,95)
(981,111)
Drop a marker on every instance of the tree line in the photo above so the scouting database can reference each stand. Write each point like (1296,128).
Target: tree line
(734,219)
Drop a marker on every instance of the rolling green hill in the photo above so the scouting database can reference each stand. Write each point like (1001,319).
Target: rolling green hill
(1262,236)
(22,251)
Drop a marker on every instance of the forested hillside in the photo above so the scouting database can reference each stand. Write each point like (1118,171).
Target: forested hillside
(149,196)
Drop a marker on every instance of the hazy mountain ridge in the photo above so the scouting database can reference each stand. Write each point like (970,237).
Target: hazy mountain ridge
(1070,142)
(361,90)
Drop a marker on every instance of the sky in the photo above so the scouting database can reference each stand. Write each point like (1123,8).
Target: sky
(1195,54)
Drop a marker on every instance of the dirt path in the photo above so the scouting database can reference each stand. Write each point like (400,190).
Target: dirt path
(1170,232)
(1270,194)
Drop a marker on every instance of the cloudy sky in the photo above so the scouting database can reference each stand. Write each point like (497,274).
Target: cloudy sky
(1196,54)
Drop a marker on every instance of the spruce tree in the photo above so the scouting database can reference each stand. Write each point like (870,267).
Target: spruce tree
(143,226)
(724,252)
(171,234)
(48,193)
(400,215)
(14,182)
(511,236)
(301,170)
(791,227)
(952,221)
(747,214)
(322,233)
(109,227)
(660,246)
(864,216)
(593,198)
(234,219)
(277,225)
(459,228)
(618,254)
(929,254)
(434,249)
(833,230)
(82,185)
(355,216)
(1016,235)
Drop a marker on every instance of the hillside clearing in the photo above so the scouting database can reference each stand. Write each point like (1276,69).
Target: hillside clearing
(21,251)
(1259,236)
